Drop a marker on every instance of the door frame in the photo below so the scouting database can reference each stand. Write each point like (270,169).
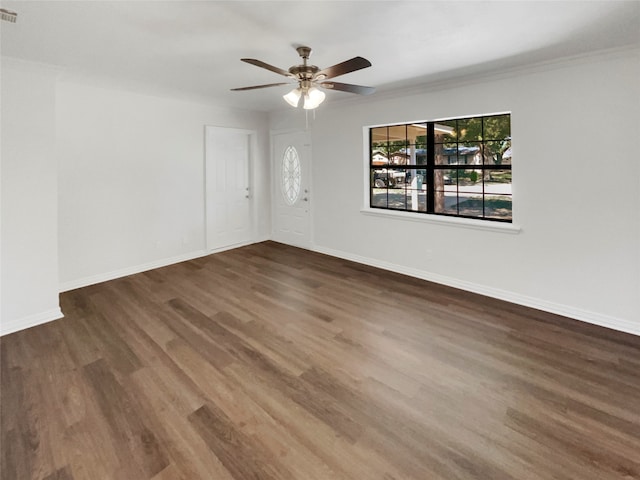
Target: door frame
(253,149)
(275,182)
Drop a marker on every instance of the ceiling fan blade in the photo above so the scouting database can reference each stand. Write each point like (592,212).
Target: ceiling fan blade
(260,86)
(356,63)
(347,87)
(261,64)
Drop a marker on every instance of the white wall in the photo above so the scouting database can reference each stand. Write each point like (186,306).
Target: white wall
(131,188)
(29,234)
(131,180)
(575,181)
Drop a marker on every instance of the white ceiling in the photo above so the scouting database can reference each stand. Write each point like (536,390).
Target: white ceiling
(192,48)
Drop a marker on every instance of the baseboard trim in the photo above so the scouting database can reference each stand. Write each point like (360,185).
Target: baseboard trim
(105,277)
(123,272)
(11,326)
(524,300)
(237,245)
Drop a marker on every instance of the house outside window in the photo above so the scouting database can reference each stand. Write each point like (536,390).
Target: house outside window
(455,167)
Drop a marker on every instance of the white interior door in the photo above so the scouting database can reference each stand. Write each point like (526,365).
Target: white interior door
(228,207)
(291,188)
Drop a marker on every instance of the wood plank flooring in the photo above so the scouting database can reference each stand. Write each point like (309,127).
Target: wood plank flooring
(269,362)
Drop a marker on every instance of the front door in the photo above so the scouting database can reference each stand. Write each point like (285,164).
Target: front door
(291,190)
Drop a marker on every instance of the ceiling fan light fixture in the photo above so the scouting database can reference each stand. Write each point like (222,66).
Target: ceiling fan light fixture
(293,97)
(313,98)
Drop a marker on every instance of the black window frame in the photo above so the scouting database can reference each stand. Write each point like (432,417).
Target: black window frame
(431,167)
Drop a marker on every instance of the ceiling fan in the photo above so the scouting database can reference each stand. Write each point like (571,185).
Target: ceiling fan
(310,77)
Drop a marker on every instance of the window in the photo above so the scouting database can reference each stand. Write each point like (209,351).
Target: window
(458,167)
(291,175)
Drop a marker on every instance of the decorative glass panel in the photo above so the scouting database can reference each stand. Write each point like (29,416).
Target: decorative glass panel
(291,175)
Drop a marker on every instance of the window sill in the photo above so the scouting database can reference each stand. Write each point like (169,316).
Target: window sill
(443,220)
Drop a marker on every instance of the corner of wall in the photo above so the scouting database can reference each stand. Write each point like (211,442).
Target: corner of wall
(14,325)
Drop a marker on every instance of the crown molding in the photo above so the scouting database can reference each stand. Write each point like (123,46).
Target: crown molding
(473,76)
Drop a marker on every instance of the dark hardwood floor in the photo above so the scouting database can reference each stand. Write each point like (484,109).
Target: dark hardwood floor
(269,362)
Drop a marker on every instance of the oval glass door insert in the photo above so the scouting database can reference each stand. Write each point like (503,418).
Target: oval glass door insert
(291,175)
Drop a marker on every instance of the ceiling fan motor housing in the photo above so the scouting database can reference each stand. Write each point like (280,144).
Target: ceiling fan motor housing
(304,72)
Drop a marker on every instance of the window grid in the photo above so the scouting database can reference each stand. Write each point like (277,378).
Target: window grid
(474,150)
